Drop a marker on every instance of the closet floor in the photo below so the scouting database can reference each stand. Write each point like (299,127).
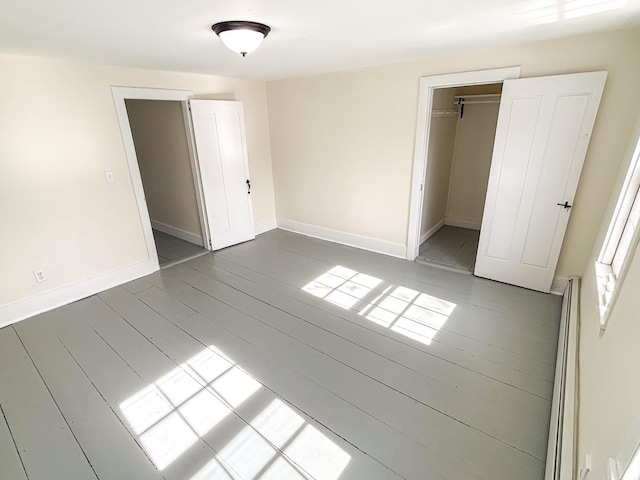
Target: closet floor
(452,248)
(170,248)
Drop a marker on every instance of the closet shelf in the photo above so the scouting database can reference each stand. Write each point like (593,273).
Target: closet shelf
(444,113)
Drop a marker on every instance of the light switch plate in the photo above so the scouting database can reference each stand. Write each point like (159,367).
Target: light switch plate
(109,175)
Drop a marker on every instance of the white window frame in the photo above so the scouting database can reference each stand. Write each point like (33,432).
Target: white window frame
(620,243)
(631,470)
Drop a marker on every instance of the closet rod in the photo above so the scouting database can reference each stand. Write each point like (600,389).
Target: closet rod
(484,95)
(474,102)
(470,99)
(462,100)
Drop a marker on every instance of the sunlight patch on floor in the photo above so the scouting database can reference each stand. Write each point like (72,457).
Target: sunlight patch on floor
(171,414)
(403,310)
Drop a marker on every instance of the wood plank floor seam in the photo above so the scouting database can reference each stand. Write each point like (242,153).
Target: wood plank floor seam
(14,441)
(354,405)
(300,408)
(232,259)
(285,399)
(404,343)
(388,386)
(244,364)
(361,346)
(108,405)
(214,393)
(56,404)
(163,353)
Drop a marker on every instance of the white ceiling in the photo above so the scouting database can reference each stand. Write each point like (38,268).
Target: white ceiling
(307,37)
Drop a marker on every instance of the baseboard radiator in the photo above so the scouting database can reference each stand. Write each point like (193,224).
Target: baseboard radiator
(560,463)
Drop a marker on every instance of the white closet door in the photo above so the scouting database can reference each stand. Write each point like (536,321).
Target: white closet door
(218,128)
(543,131)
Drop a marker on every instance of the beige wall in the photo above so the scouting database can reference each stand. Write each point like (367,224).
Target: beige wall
(473,147)
(160,140)
(59,133)
(343,143)
(440,155)
(609,364)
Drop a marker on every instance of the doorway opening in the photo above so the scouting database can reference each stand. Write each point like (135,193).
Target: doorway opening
(217,154)
(541,139)
(461,137)
(438,192)
(166,168)
(122,97)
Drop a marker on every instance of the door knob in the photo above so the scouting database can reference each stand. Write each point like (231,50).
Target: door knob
(565,205)
(249,187)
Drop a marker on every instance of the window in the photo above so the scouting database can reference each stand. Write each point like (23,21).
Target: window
(620,241)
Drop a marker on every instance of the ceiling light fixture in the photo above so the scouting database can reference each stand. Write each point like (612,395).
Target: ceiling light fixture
(241,36)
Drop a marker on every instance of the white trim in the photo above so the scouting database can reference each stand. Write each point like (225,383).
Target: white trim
(265,226)
(423,126)
(184,259)
(462,223)
(560,462)
(610,273)
(29,307)
(429,233)
(366,243)
(197,177)
(120,94)
(177,232)
(49,300)
(632,470)
(559,285)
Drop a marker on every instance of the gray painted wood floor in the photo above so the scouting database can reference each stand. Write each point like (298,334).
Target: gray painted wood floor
(172,248)
(450,247)
(284,357)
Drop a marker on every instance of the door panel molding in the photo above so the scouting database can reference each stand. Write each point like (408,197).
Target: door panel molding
(220,140)
(535,177)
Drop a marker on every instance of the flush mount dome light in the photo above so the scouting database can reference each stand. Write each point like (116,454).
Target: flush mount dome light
(241,36)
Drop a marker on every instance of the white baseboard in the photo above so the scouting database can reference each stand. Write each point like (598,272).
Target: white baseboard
(177,232)
(22,309)
(366,243)
(562,426)
(463,223)
(429,233)
(265,226)
(559,285)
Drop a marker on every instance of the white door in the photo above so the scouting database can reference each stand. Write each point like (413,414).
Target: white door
(218,128)
(544,126)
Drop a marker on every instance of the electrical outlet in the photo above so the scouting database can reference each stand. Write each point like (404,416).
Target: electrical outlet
(109,175)
(40,276)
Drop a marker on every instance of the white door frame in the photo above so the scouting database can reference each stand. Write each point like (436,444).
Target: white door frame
(120,94)
(423,130)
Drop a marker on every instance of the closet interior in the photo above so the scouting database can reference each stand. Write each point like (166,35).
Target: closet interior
(462,132)
(160,140)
